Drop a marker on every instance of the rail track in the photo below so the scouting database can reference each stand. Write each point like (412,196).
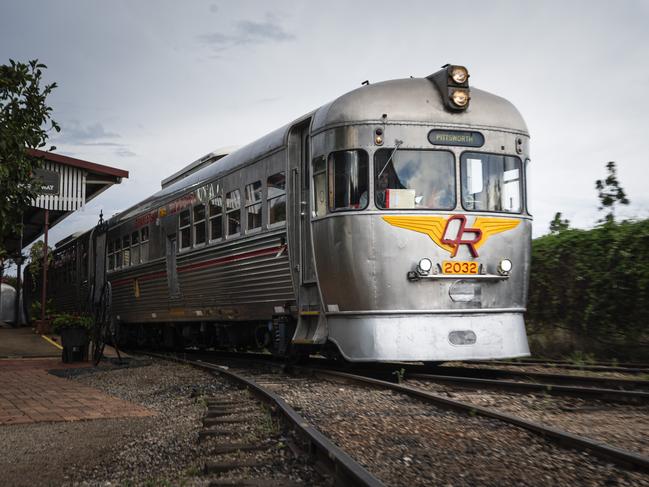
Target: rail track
(625,367)
(538,377)
(285,386)
(339,466)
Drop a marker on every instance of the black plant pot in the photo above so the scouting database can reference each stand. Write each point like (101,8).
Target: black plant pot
(75,344)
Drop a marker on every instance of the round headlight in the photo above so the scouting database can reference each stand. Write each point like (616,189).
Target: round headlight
(459,74)
(460,98)
(424,266)
(505,266)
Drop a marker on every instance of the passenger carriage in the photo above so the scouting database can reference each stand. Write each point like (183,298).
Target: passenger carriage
(389,224)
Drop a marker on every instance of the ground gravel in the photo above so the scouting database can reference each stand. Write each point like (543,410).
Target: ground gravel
(157,450)
(162,450)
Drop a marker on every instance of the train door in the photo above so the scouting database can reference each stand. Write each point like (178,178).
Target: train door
(300,245)
(172,270)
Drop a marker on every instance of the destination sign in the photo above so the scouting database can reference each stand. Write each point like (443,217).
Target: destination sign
(48,182)
(456,137)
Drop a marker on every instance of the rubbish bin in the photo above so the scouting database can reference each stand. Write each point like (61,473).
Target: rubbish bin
(75,344)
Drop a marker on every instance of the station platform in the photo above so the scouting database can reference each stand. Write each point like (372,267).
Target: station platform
(23,342)
(30,394)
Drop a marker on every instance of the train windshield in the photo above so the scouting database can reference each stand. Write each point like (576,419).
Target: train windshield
(414,179)
(491,182)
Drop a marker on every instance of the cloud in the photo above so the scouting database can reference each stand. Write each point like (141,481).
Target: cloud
(248,32)
(93,135)
(74,133)
(124,152)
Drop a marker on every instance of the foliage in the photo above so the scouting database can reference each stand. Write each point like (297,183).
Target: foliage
(558,225)
(66,320)
(590,289)
(25,121)
(610,193)
(36,260)
(36,309)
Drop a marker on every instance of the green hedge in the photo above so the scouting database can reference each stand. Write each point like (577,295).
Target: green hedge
(589,292)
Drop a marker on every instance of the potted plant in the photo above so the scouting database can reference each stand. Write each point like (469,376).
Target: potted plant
(74,330)
(42,327)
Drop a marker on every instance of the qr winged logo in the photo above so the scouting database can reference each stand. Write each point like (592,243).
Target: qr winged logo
(452,232)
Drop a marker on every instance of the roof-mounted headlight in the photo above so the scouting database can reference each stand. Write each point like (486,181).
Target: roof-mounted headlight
(452,82)
(460,97)
(459,74)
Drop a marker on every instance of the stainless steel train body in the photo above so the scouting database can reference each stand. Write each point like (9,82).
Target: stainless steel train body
(324,233)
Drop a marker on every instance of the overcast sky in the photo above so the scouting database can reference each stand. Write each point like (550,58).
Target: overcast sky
(150,86)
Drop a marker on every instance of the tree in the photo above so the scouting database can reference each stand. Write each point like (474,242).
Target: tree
(557,225)
(610,193)
(25,123)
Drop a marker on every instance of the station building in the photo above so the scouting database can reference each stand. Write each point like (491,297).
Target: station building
(67,184)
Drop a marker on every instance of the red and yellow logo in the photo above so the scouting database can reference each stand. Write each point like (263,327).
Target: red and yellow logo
(449,233)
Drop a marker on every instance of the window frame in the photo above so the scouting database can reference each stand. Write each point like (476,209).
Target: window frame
(279,223)
(210,217)
(331,186)
(228,235)
(314,197)
(252,203)
(144,241)
(181,227)
(135,244)
(126,250)
(454,172)
(118,253)
(522,195)
(195,223)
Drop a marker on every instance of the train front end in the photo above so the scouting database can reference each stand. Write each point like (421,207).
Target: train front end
(420,228)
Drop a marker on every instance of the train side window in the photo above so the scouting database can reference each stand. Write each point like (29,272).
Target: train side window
(277,198)
(216,218)
(233,213)
(253,205)
(118,253)
(135,248)
(144,246)
(185,229)
(199,224)
(111,255)
(320,185)
(348,180)
(126,251)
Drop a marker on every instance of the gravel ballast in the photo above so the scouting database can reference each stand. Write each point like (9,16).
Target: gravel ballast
(406,442)
(624,426)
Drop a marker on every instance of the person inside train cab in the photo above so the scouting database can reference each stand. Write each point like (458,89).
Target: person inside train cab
(382,186)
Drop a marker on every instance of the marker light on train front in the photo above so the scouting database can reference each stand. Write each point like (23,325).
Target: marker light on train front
(460,97)
(452,82)
(505,267)
(459,74)
(424,267)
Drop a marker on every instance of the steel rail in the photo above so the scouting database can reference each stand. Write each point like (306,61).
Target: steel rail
(346,470)
(530,360)
(611,395)
(606,452)
(568,366)
(490,373)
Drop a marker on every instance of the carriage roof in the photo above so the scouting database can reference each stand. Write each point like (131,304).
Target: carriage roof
(411,100)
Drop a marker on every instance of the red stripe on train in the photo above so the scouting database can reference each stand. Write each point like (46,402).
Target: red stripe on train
(200,265)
